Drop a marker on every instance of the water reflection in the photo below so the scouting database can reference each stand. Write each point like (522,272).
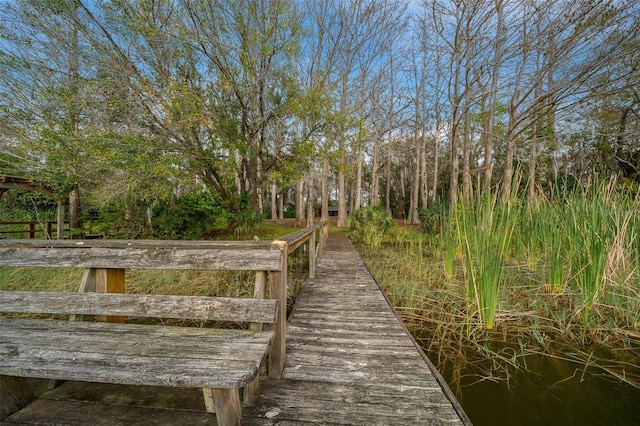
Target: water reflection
(553,392)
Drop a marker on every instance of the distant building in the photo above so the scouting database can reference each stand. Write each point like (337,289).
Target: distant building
(333,211)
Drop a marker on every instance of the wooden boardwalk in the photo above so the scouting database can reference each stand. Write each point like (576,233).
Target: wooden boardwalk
(349,361)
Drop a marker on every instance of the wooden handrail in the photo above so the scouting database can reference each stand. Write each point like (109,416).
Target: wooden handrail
(46,226)
(297,238)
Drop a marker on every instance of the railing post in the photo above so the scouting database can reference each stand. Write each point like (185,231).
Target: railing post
(32,230)
(278,291)
(47,230)
(312,255)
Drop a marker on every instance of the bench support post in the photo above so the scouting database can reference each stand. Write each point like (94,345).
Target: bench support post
(15,394)
(259,293)
(278,291)
(225,403)
(110,281)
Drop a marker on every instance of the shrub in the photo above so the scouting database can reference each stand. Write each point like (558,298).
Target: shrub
(432,217)
(368,225)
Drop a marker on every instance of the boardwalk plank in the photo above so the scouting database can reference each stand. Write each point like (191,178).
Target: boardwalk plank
(350,361)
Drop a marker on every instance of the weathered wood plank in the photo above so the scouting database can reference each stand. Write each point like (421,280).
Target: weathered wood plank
(131,353)
(143,258)
(132,339)
(355,404)
(95,414)
(131,370)
(137,244)
(140,305)
(145,396)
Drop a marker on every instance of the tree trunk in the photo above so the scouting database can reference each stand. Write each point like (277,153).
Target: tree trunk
(342,198)
(74,207)
(415,191)
(358,189)
(310,201)
(274,201)
(507,172)
(424,184)
(375,170)
(436,163)
(387,190)
(493,93)
(299,203)
(324,188)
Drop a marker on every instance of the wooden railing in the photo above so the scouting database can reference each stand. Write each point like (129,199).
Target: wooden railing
(308,234)
(32,228)
(106,261)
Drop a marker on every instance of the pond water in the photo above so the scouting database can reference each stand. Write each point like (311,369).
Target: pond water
(555,393)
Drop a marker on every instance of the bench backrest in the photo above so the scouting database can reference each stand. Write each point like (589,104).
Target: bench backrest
(141,254)
(140,305)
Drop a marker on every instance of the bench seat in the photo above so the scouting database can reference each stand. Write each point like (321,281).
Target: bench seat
(219,361)
(131,354)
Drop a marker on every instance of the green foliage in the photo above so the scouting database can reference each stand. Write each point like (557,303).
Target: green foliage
(27,206)
(189,216)
(368,225)
(433,217)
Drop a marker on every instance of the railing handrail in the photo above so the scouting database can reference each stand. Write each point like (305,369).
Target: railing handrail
(297,238)
(29,222)
(33,227)
(136,244)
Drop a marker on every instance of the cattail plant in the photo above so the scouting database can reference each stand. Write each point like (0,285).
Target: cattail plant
(485,228)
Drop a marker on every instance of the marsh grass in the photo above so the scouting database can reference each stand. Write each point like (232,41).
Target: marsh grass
(579,301)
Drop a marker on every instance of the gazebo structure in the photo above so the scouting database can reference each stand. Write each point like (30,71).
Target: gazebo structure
(28,184)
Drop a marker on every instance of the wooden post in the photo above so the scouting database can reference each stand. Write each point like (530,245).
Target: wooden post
(259,292)
(32,230)
(110,281)
(278,291)
(312,255)
(47,230)
(60,225)
(227,406)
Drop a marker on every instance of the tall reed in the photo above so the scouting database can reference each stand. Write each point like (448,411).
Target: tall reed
(485,227)
(589,236)
(551,233)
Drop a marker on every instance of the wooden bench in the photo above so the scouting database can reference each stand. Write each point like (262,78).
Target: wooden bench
(220,361)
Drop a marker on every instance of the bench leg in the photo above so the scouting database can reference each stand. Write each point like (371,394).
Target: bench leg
(15,394)
(225,403)
(250,390)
